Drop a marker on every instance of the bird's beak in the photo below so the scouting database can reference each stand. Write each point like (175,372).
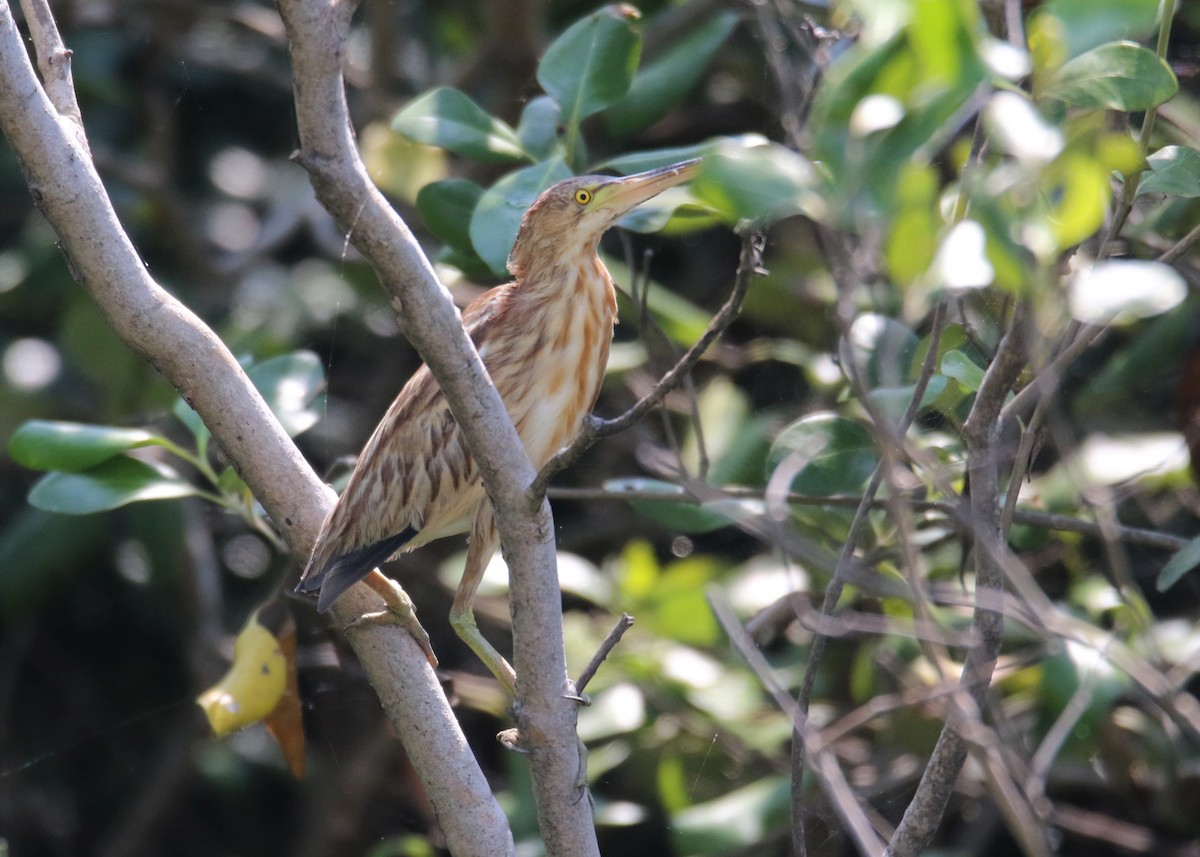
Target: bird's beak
(620,195)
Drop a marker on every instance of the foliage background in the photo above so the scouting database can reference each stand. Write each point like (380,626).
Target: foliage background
(112,623)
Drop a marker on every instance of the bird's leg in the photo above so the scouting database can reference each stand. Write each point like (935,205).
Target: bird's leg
(400,611)
(480,548)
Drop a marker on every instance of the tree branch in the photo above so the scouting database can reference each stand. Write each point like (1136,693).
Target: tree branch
(545,714)
(66,187)
(982,431)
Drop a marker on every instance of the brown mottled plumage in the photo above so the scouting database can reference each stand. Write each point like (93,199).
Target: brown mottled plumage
(544,339)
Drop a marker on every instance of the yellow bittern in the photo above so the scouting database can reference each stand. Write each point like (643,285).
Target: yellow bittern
(544,338)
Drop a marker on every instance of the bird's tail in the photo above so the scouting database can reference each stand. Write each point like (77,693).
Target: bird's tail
(333,575)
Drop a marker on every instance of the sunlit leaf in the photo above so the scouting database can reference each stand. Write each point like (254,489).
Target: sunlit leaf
(1121,290)
(114,483)
(497,216)
(1174,171)
(449,119)
(662,84)
(1115,76)
(592,63)
(46,445)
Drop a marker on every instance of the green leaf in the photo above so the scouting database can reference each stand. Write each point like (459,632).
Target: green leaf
(638,162)
(497,217)
(1174,170)
(1086,23)
(1184,560)
(830,454)
(883,350)
(1116,76)
(760,184)
(446,207)
(117,482)
(290,383)
(735,822)
(591,65)
(538,128)
(184,413)
(962,369)
(683,515)
(664,83)
(47,445)
(449,119)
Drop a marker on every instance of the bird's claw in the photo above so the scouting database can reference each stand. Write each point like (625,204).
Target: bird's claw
(400,611)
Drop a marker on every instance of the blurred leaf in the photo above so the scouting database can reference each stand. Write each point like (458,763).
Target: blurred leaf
(638,162)
(47,445)
(449,119)
(400,167)
(675,211)
(497,217)
(757,185)
(664,83)
(446,208)
(290,383)
(1115,76)
(684,516)
(538,128)
(1082,192)
(962,369)
(737,821)
(913,233)
(40,556)
(1118,291)
(883,350)
(591,64)
(114,483)
(1086,24)
(1183,561)
(1174,171)
(184,413)
(832,454)
(254,684)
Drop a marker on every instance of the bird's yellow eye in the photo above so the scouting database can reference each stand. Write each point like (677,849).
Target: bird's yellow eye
(583,196)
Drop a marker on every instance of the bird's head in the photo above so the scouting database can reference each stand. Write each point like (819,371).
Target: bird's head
(568,219)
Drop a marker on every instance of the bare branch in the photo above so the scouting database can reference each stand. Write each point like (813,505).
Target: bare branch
(928,805)
(317,31)
(64,184)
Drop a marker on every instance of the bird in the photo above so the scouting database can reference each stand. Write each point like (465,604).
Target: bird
(544,338)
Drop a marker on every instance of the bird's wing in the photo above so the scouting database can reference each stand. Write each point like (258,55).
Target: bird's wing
(414,482)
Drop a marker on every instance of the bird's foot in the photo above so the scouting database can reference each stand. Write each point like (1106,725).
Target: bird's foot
(400,611)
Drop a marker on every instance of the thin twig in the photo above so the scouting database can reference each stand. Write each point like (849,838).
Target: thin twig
(614,636)
(824,765)
(54,63)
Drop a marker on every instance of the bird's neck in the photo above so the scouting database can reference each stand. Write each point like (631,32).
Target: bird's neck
(579,281)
